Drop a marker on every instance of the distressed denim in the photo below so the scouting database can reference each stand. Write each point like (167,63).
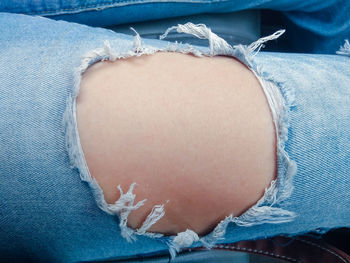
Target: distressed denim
(52,210)
(313,26)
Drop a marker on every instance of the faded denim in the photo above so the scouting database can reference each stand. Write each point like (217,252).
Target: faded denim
(52,211)
(314,26)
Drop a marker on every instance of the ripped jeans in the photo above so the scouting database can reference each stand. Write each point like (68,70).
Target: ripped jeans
(54,211)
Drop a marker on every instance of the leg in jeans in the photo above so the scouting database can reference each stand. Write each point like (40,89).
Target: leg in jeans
(284,110)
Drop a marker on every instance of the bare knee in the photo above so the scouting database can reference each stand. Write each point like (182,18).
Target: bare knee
(195,131)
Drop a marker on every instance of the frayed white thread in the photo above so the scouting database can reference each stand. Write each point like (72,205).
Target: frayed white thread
(274,99)
(156,214)
(257,45)
(266,214)
(186,238)
(216,43)
(344,50)
(182,239)
(183,48)
(69,122)
(125,204)
(107,50)
(263,211)
(137,42)
(290,172)
(217,234)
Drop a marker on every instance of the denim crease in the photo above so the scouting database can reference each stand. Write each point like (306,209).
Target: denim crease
(314,26)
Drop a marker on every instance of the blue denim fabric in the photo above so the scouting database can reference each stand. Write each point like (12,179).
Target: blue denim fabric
(313,26)
(247,27)
(48,211)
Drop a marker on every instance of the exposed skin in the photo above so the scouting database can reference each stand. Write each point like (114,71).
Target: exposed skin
(195,131)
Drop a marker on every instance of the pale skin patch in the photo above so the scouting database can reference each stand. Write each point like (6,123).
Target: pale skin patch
(195,131)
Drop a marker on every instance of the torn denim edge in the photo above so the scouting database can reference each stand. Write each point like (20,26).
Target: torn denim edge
(125,204)
(345,49)
(279,97)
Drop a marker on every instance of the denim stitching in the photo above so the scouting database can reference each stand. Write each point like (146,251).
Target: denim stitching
(323,248)
(257,252)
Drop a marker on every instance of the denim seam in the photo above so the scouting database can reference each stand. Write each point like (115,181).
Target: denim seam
(322,248)
(263,252)
(113,4)
(279,98)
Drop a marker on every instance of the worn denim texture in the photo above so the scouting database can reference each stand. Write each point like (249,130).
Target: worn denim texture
(48,208)
(314,26)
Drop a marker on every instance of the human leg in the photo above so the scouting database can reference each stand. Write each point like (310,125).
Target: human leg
(65,215)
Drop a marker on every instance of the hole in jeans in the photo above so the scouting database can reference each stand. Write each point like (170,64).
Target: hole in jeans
(195,134)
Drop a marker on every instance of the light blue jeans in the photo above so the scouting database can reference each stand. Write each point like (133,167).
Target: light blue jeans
(51,210)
